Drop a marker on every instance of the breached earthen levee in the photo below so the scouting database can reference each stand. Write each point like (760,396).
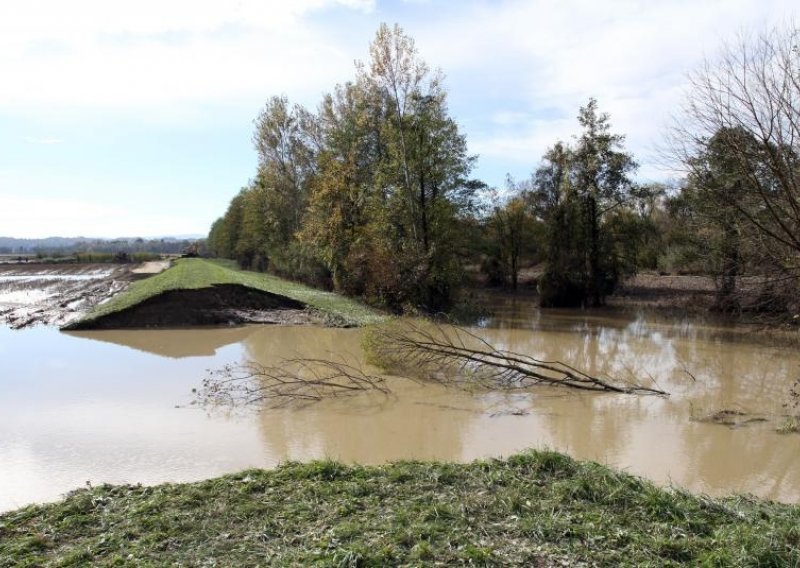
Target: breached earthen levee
(219,304)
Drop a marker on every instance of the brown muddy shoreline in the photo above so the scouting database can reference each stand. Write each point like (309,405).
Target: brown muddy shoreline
(671,295)
(688,299)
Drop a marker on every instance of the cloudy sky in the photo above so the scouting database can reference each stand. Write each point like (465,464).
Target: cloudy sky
(135,118)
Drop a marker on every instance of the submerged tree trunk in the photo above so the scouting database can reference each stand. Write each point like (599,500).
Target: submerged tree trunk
(731,260)
(514,270)
(595,276)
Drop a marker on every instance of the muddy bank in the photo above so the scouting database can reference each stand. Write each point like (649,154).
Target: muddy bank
(221,304)
(645,290)
(681,295)
(685,293)
(673,295)
(51,294)
(676,296)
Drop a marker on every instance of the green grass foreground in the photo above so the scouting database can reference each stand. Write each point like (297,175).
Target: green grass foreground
(533,509)
(196,273)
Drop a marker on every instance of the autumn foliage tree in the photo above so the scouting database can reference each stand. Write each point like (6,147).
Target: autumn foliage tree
(368,189)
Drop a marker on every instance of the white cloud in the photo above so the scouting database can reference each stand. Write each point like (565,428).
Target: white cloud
(161,52)
(26,216)
(44,141)
(509,118)
(32,217)
(632,55)
(23,23)
(517,144)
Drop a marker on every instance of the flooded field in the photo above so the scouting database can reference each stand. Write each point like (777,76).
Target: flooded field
(55,294)
(114,406)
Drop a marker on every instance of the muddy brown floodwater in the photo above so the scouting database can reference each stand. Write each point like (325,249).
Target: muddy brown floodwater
(114,406)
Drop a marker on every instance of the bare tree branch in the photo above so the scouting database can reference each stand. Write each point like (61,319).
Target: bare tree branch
(291,381)
(456,356)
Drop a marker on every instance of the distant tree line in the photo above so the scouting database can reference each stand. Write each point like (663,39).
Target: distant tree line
(371,194)
(55,247)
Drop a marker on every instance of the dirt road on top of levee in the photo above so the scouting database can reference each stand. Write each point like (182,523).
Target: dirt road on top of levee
(56,294)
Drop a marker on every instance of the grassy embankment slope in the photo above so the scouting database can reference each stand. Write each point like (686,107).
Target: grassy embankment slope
(195,274)
(534,509)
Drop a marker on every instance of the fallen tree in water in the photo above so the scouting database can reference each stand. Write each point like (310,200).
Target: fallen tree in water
(454,355)
(421,351)
(291,381)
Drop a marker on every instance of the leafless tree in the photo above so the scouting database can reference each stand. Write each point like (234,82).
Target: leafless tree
(746,102)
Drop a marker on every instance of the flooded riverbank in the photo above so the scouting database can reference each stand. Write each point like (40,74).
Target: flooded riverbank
(115,406)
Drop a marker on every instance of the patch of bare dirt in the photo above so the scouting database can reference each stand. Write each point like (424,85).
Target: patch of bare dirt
(223,304)
(151,267)
(56,294)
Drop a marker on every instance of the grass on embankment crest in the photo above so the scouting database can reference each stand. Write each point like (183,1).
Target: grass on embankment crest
(196,273)
(533,509)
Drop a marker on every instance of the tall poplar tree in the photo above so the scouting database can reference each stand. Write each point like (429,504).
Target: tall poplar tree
(577,189)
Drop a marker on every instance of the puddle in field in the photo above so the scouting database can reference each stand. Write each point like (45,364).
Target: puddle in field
(24,297)
(34,279)
(54,294)
(101,406)
(29,287)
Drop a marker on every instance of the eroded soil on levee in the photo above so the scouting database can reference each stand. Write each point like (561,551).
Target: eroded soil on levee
(221,304)
(56,294)
(61,294)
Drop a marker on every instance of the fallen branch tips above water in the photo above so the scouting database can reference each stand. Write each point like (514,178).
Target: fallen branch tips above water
(453,355)
(291,381)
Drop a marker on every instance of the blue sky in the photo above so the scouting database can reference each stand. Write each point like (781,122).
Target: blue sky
(135,118)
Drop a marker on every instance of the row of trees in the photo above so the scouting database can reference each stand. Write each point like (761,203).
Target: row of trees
(586,216)
(735,213)
(372,194)
(367,193)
